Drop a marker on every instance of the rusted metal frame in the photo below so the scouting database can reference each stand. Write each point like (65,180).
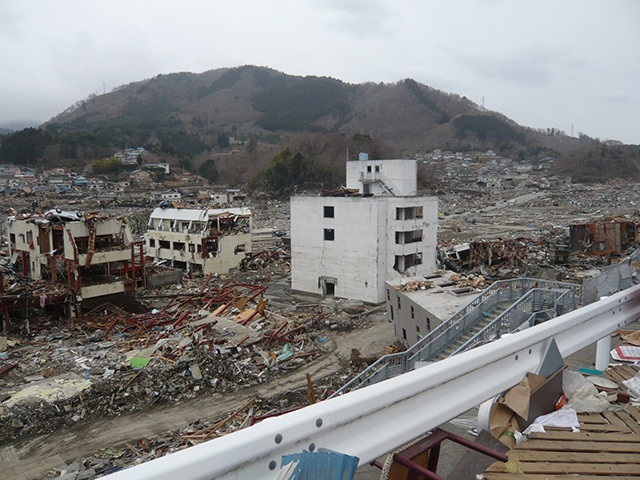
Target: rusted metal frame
(75,260)
(206,283)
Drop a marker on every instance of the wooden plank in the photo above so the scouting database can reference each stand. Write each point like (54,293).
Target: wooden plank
(616,376)
(573,468)
(629,421)
(580,457)
(598,447)
(633,411)
(629,372)
(615,420)
(591,418)
(587,436)
(511,476)
(604,428)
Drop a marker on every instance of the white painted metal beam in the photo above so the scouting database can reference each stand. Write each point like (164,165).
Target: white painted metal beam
(372,421)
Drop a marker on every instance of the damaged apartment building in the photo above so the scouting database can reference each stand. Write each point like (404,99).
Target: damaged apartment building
(94,255)
(347,243)
(200,240)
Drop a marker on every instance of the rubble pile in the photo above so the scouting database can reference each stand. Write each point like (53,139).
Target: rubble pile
(220,338)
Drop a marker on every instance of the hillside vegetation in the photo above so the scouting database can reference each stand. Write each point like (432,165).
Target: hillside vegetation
(240,118)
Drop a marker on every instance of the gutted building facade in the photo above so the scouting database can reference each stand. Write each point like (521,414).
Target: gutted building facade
(93,254)
(205,240)
(350,243)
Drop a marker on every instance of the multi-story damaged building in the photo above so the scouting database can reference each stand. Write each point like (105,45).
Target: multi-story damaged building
(348,243)
(93,254)
(206,240)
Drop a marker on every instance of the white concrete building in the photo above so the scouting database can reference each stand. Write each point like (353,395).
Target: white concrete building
(348,246)
(208,240)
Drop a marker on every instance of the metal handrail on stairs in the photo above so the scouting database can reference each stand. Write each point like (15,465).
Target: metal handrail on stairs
(389,366)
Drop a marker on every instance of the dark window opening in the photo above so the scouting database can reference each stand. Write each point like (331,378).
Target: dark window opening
(178,246)
(240,249)
(328,212)
(404,334)
(369,168)
(330,288)
(211,247)
(329,234)
(388,295)
(412,315)
(152,242)
(192,248)
(12,238)
(417,328)
(165,244)
(377,168)
(428,325)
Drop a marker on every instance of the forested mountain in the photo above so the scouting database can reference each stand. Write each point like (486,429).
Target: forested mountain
(187,117)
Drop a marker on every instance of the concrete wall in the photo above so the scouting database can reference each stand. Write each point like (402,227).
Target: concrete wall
(410,320)
(352,258)
(226,259)
(363,251)
(400,175)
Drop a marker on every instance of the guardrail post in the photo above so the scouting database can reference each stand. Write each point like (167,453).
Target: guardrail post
(603,347)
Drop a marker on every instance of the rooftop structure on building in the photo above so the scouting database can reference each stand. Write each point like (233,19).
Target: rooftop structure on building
(206,240)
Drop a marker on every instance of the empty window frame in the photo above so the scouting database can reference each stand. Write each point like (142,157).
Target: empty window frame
(409,213)
(178,246)
(328,211)
(165,244)
(329,234)
(412,316)
(377,168)
(152,242)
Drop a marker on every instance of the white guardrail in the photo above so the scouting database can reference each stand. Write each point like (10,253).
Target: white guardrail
(372,421)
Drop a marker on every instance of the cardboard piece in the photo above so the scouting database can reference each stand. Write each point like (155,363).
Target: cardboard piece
(517,399)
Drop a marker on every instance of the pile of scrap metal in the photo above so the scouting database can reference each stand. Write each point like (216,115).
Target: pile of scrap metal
(492,256)
(258,260)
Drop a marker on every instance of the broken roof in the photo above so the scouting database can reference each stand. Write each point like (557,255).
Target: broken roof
(201,215)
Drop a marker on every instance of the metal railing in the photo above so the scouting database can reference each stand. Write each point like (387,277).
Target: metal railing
(461,322)
(535,301)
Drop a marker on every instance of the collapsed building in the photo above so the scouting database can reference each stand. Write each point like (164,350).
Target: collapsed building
(200,240)
(605,237)
(347,243)
(94,255)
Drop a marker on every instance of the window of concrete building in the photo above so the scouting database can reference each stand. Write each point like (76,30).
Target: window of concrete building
(328,212)
(329,234)
(369,168)
(178,246)
(377,168)
(412,315)
(12,238)
(240,249)
(192,248)
(399,305)
(391,312)
(165,244)
(29,237)
(428,325)
(152,242)
(404,334)
(417,328)
(388,295)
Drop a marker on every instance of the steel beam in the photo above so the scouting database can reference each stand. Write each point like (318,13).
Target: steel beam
(374,420)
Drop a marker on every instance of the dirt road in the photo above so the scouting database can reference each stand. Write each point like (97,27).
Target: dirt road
(30,459)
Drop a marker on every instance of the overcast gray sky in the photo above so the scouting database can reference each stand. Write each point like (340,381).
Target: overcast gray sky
(542,63)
